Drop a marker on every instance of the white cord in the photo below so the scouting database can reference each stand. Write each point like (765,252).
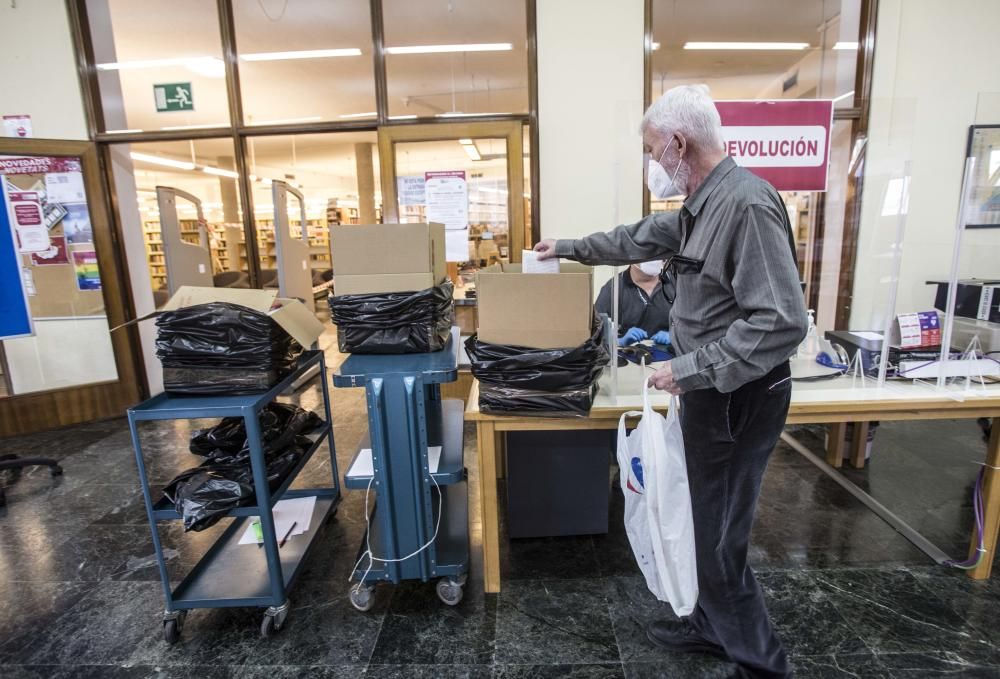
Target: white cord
(368,532)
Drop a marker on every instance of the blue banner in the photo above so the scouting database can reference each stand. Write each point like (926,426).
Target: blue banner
(15,316)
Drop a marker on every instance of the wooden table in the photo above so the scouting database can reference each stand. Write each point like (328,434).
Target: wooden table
(834,402)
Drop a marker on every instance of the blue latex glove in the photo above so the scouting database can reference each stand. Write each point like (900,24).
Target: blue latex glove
(632,336)
(662,337)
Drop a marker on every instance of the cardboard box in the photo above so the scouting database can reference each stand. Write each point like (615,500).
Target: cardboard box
(536,310)
(290,314)
(381,258)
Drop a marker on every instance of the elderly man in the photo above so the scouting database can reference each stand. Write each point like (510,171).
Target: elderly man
(737,318)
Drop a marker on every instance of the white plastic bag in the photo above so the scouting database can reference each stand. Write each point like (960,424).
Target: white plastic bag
(658,516)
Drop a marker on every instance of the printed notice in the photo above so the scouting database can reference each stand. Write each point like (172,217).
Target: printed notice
(447,195)
(29,222)
(65,187)
(88,276)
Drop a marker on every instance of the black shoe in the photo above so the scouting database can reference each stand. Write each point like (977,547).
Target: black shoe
(679,635)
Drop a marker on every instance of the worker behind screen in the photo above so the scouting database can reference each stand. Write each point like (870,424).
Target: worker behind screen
(643,308)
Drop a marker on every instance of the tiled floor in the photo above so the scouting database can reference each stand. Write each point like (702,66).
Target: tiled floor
(80,595)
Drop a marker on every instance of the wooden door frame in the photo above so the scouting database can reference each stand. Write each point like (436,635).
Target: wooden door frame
(511,130)
(42,410)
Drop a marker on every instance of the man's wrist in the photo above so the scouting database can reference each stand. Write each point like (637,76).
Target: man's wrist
(686,373)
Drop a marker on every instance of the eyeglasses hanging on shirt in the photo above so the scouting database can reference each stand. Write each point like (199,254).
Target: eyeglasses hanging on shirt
(678,265)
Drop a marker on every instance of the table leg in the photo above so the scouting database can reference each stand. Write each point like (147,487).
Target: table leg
(835,446)
(501,454)
(487,440)
(859,444)
(991,506)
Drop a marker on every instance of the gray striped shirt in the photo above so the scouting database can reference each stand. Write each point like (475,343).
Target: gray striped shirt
(744,313)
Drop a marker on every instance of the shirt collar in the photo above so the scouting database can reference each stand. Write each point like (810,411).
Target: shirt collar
(696,200)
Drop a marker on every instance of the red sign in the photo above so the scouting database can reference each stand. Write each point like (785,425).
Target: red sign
(56,254)
(786,142)
(37,164)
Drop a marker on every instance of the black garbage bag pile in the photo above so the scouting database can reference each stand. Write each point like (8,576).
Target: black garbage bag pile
(538,382)
(222,348)
(204,494)
(394,322)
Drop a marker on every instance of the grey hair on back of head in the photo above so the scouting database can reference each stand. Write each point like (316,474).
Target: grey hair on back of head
(687,109)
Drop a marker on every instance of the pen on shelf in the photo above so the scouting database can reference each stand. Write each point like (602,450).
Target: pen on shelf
(285,539)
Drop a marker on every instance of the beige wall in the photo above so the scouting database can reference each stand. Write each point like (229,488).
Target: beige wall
(590,81)
(38,70)
(935,75)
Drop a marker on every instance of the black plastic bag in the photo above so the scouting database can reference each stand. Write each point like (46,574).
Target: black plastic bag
(200,340)
(203,495)
(394,322)
(280,423)
(539,369)
(499,400)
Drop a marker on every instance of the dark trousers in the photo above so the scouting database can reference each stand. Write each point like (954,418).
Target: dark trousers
(728,439)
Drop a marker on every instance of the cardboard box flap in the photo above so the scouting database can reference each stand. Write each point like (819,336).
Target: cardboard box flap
(295,318)
(189,295)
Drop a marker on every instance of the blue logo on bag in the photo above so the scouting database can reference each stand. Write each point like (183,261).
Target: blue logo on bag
(636,473)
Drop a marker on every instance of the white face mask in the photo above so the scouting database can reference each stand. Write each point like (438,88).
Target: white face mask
(661,185)
(652,268)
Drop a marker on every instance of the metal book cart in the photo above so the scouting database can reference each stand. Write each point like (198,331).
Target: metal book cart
(418,529)
(230,574)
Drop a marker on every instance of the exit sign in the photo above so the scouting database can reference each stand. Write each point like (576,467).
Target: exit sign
(173,97)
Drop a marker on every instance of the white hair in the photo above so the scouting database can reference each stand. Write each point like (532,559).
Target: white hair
(687,109)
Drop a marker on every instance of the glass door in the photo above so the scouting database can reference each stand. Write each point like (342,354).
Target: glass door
(63,365)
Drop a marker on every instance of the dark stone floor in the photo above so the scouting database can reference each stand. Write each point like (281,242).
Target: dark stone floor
(80,595)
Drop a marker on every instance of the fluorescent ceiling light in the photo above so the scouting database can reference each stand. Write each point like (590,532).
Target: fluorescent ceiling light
(157,160)
(464,142)
(410,117)
(195,127)
(656,45)
(845,95)
(438,49)
(121,131)
(472,152)
(302,54)
(220,172)
(841,45)
(212,67)
(746,45)
(370,114)
(287,121)
(459,114)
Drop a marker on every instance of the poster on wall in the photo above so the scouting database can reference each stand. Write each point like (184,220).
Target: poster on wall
(65,187)
(17,126)
(88,276)
(447,199)
(76,224)
(785,142)
(29,221)
(56,254)
(411,190)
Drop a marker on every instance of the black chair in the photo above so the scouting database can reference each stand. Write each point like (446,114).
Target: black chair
(16,464)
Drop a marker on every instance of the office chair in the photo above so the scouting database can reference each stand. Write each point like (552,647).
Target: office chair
(16,464)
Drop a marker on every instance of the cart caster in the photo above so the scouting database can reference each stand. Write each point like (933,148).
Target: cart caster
(363,597)
(57,470)
(274,620)
(450,591)
(173,623)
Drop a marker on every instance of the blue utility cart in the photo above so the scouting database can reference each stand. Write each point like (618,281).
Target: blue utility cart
(419,527)
(230,574)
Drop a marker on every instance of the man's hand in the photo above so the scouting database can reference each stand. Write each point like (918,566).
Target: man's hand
(546,249)
(663,379)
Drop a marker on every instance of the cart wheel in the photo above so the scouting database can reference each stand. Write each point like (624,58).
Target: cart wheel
(363,597)
(57,470)
(274,620)
(450,591)
(172,627)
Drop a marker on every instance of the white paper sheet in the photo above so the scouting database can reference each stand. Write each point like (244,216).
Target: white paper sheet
(363,465)
(295,511)
(456,245)
(531,264)
(65,187)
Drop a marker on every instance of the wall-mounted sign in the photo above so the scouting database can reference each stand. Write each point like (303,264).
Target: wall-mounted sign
(173,97)
(786,142)
(29,221)
(17,126)
(410,190)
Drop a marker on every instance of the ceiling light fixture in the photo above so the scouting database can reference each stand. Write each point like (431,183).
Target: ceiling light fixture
(218,171)
(121,131)
(464,142)
(409,117)
(845,95)
(459,114)
(841,45)
(370,114)
(656,45)
(440,49)
(190,62)
(287,121)
(302,54)
(195,127)
(157,160)
(472,152)
(746,45)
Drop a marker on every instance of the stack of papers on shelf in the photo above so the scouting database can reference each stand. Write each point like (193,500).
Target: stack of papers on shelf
(363,466)
(296,512)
